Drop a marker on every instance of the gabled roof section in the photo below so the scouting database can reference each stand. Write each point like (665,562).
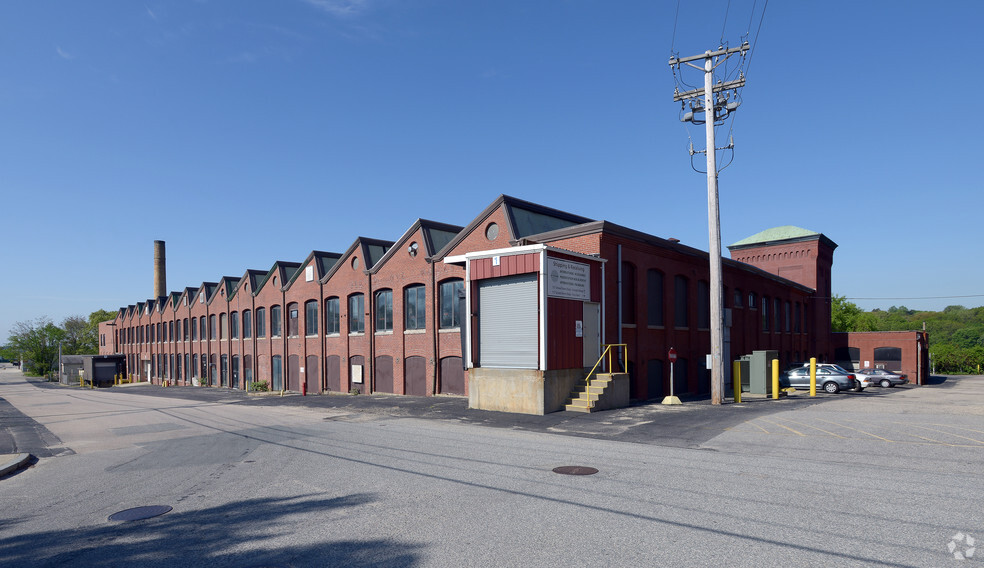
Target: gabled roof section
(161,304)
(524,218)
(248,280)
(434,235)
(188,296)
(133,309)
(283,269)
(206,289)
(176,300)
(224,289)
(323,261)
(370,250)
(783,234)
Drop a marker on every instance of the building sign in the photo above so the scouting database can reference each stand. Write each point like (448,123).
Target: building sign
(566,279)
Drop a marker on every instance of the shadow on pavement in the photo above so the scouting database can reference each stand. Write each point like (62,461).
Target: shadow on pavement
(226,535)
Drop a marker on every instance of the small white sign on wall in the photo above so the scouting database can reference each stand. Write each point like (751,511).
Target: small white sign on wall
(495,261)
(356,373)
(579,328)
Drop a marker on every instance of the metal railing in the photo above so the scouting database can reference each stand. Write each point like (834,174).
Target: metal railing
(608,352)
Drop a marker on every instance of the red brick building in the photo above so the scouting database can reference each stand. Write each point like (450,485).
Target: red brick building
(509,310)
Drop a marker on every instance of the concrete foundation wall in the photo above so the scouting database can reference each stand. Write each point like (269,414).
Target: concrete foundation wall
(524,391)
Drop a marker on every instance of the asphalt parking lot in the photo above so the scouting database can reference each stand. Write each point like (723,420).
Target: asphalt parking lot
(882,415)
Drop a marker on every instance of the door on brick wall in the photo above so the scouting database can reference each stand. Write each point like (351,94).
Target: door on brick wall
(452,376)
(311,375)
(654,378)
(294,373)
(383,367)
(357,374)
(333,373)
(415,376)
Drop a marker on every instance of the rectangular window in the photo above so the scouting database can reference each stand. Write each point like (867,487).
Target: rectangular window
(203,331)
(788,317)
(777,314)
(234,324)
(628,293)
(450,316)
(798,322)
(765,313)
(184,335)
(276,321)
(311,318)
(212,328)
(247,324)
(384,310)
(357,316)
(224,325)
(260,322)
(654,297)
(194,329)
(415,307)
(331,316)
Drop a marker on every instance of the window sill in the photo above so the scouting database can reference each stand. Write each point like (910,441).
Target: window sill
(449,330)
(658,327)
(629,325)
(414,331)
(315,336)
(356,333)
(384,332)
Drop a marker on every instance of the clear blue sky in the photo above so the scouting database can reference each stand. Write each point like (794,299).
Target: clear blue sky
(244,132)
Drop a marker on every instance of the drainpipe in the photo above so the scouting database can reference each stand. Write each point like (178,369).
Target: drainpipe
(435,308)
(619,280)
(369,331)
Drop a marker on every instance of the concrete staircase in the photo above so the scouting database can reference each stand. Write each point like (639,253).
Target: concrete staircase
(603,391)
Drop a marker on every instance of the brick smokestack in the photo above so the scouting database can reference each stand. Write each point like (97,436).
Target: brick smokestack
(160,270)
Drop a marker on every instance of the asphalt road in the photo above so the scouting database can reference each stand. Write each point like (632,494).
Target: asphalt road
(880,478)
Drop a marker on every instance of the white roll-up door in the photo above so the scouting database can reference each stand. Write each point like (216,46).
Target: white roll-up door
(509,322)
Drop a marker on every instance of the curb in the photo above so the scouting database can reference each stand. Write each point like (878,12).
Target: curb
(13,462)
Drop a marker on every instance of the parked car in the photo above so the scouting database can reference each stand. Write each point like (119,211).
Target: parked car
(882,377)
(831,378)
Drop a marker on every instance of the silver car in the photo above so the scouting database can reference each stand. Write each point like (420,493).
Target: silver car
(831,378)
(883,378)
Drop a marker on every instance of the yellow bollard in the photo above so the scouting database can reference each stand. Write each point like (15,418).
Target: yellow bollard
(813,376)
(775,378)
(737,375)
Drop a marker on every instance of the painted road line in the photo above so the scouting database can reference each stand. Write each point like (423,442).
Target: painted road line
(857,430)
(816,428)
(781,426)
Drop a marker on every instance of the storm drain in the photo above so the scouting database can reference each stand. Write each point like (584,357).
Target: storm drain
(575,470)
(140,513)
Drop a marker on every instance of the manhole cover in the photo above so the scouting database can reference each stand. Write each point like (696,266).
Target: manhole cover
(138,513)
(575,470)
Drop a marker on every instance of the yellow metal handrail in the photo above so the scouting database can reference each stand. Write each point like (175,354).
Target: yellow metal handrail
(608,351)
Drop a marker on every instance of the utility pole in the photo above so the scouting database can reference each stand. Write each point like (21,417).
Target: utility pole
(717,104)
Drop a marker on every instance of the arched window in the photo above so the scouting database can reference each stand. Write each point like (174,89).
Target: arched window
(703,305)
(415,307)
(654,297)
(234,324)
(293,325)
(276,321)
(628,293)
(311,317)
(260,322)
(332,317)
(356,313)
(450,316)
(681,301)
(384,310)
(247,324)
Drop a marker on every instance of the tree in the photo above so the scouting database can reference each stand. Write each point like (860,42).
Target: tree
(36,343)
(847,316)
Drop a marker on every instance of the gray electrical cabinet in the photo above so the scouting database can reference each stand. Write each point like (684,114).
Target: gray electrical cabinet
(760,371)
